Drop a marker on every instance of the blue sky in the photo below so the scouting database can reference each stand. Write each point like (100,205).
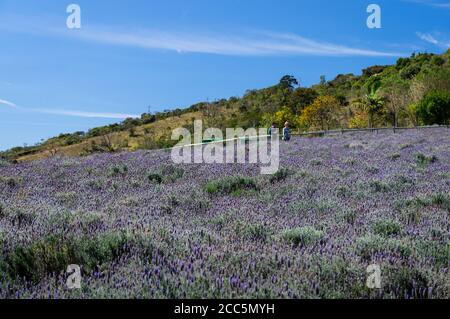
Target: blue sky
(129,55)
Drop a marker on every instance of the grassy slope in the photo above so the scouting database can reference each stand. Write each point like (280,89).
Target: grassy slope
(158,129)
(243,112)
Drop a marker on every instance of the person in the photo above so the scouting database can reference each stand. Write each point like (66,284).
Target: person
(271,130)
(286,132)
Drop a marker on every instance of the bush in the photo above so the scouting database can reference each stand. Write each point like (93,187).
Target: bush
(52,255)
(22,218)
(172,173)
(167,173)
(379,186)
(280,175)
(11,182)
(119,170)
(441,200)
(3,213)
(197,202)
(435,108)
(3,163)
(155,178)
(350,216)
(257,232)
(370,245)
(230,185)
(386,227)
(303,236)
(423,160)
(394,156)
(436,251)
(407,282)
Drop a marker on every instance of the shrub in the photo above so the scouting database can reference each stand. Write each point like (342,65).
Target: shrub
(343,191)
(350,216)
(394,156)
(11,182)
(441,200)
(66,198)
(280,175)
(386,227)
(172,173)
(379,186)
(370,245)
(2,211)
(316,162)
(303,236)
(423,160)
(197,202)
(436,251)
(435,108)
(3,163)
(257,232)
(119,170)
(412,216)
(229,185)
(155,178)
(168,173)
(52,254)
(407,282)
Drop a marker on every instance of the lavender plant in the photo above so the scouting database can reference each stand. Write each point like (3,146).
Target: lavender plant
(140,227)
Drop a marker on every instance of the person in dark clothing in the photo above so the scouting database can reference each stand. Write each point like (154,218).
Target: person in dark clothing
(271,129)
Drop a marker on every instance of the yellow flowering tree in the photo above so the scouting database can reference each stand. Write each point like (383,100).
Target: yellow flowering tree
(322,114)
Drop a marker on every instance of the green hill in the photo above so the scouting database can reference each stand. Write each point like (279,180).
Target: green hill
(414,91)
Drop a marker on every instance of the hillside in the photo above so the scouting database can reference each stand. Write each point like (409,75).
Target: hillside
(396,95)
(198,231)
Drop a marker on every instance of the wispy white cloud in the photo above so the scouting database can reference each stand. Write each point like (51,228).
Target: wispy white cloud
(427,37)
(73,113)
(237,43)
(8,103)
(250,44)
(432,3)
(432,38)
(85,114)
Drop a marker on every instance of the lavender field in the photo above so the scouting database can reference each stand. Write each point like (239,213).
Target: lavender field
(141,227)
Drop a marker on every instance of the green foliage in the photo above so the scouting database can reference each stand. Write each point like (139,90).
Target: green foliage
(155,178)
(386,227)
(168,173)
(11,182)
(172,173)
(407,281)
(423,160)
(379,186)
(2,211)
(230,185)
(350,216)
(257,232)
(370,245)
(52,255)
(303,236)
(280,175)
(439,252)
(434,108)
(441,200)
(288,82)
(120,170)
